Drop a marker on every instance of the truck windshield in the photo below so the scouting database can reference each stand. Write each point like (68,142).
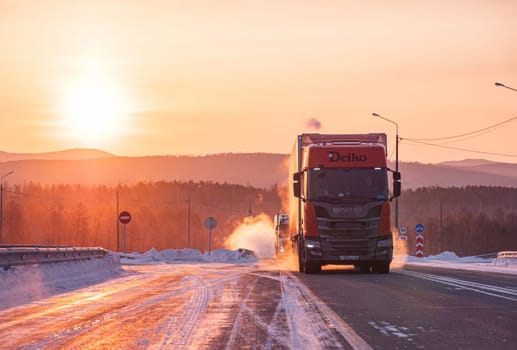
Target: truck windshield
(341,183)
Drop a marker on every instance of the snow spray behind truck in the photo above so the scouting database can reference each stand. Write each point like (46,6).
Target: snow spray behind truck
(340,202)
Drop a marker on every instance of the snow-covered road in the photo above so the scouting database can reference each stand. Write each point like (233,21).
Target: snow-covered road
(188,300)
(213,306)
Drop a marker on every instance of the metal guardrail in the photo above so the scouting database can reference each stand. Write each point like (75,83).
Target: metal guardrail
(507,254)
(11,255)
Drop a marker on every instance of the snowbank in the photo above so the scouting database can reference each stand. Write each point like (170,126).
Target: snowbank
(451,260)
(448,257)
(26,283)
(170,256)
(23,284)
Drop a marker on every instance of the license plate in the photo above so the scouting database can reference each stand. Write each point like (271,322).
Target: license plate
(349,257)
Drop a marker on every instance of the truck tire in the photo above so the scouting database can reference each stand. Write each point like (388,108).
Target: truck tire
(363,268)
(305,265)
(381,267)
(312,268)
(302,258)
(295,256)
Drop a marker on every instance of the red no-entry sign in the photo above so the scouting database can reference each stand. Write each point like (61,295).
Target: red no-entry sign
(124,217)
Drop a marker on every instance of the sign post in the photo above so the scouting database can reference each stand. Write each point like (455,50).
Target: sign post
(124,217)
(403,233)
(419,228)
(210,224)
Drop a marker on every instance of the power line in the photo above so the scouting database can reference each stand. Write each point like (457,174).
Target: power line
(462,149)
(463,137)
(472,136)
(472,133)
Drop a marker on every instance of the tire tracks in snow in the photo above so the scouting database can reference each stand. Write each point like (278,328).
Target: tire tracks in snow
(179,328)
(225,307)
(299,321)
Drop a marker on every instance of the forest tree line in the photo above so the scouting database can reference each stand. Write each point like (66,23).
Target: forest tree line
(469,220)
(83,215)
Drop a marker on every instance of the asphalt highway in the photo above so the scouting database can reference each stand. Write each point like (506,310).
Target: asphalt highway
(423,308)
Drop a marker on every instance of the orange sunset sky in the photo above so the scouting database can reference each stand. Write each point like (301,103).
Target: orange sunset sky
(201,77)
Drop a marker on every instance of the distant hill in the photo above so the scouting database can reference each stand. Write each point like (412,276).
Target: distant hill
(486,166)
(72,154)
(255,169)
(416,175)
(467,163)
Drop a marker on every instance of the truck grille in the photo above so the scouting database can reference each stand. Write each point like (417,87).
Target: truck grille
(348,236)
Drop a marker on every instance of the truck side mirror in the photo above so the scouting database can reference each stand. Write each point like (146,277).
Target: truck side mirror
(297,184)
(397,185)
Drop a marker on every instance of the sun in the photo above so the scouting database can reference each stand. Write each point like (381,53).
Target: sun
(93,109)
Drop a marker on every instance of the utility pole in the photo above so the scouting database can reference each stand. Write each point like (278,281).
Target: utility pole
(188,223)
(1,210)
(2,205)
(118,224)
(441,225)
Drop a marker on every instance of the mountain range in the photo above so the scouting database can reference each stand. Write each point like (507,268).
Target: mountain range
(90,166)
(71,154)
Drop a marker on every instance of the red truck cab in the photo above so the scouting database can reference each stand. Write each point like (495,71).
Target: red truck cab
(340,202)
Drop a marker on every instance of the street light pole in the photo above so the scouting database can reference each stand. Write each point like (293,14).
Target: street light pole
(506,87)
(396,161)
(2,205)
(118,224)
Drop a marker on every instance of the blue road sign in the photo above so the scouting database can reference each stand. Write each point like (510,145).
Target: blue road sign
(419,228)
(210,223)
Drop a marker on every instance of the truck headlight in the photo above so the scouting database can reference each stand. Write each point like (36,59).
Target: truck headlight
(384,243)
(312,244)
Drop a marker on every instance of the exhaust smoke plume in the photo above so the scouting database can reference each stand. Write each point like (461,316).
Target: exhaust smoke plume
(313,124)
(256,234)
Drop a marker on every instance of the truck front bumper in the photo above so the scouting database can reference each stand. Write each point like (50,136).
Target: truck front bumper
(381,251)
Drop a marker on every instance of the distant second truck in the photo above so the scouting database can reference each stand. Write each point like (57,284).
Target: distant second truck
(281,223)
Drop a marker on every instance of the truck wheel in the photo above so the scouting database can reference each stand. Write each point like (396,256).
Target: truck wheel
(301,259)
(302,255)
(312,268)
(306,266)
(363,268)
(381,267)
(300,265)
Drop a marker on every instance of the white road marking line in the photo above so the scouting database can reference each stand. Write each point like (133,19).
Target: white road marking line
(340,325)
(472,286)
